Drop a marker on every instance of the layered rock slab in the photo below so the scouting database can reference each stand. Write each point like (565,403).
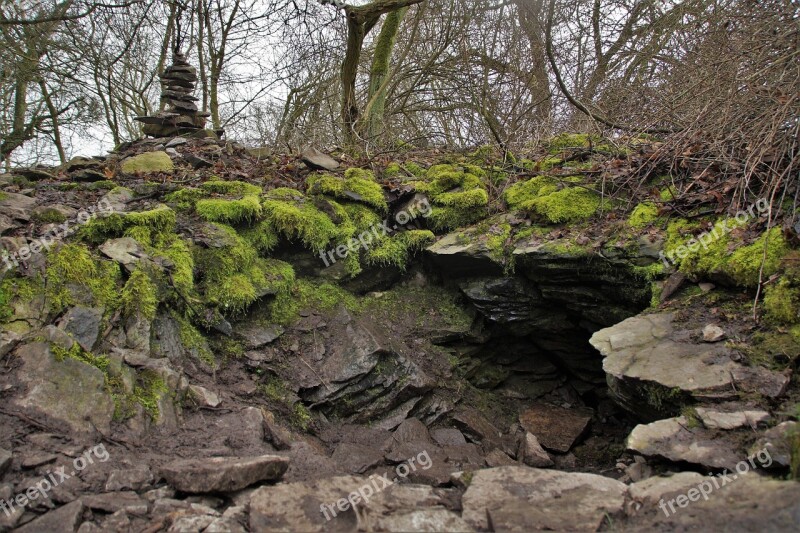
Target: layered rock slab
(515,498)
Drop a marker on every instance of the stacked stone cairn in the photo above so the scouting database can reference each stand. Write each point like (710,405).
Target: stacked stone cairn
(180,115)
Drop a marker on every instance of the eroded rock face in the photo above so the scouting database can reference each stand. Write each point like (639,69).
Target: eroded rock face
(652,364)
(513,498)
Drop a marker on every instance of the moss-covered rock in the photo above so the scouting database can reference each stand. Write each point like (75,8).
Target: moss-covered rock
(721,252)
(140,295)
(294,216)
(75,276)
(567,205)
(458,195)
(246,209)
(358,185)
(146,163)
(99,229)
(398,249)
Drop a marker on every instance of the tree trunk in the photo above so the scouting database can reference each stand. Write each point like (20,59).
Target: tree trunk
(375,111)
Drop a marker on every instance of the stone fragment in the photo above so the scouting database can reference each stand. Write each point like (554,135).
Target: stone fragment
(65,519)
(535,455)
(203,397)
(713,333)
(316,160)
(223,474)
(556,428)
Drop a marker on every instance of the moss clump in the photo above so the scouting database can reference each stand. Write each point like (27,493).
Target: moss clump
(566,141)
(148,163)
(49,216)
(100,229)
(229,211)
(782,302)
(294,216)
(262,237)
(185,198)
(287,305)
(149,391)
(519,195)
(643,215)
(140,296)
(398,249)
(71,268)
(458,195)
(300,417)
(5,302)
(719,252)
(231,188)
(358,185)
(193,340)
(77,353)
(104,185)
(567,205)
(234,276)
(393,170)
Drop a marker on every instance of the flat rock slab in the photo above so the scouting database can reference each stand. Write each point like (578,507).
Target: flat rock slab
(299,506)
(517,498)
(715,419)
(223,474)
(316,160)
(65,519)
(652,351)
(674,440)
(750,502)
(556,428)
(17,206)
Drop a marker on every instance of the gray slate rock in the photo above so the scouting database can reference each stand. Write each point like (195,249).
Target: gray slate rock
(316,160)
(516,498)
(83,324)
(17,206)
(65,519)
(223,474)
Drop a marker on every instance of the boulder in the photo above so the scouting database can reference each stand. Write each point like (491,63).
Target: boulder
(203,397)
(778,442)
(136,478)
(69,391)
(257,336)
(518,498)
(148,162)
(223,474)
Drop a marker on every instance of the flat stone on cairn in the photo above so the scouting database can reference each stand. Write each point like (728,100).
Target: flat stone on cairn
(180,115)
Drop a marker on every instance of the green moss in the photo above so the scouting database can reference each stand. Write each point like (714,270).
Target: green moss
(566,141)
(300,417)
(295,217)
(643,215)
(305,294)
(193,340)
(72,267)
(49,216)
(246,209)
(148,163)
(567,205)
(782,302)
(398,249)
(724,254)
(457,193)
(393,170)
(262,237)
(185,198)
(3,196)
(102,228)
(6,311)
(149,391)
(231,188)
(103,185)
(358,185)
(524,192)
(77,353)
(140,296)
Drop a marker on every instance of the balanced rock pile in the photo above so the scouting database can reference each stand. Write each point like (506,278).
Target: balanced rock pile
(180,115)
